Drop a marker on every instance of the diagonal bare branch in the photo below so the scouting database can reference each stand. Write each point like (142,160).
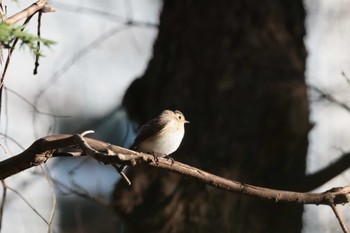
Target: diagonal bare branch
(318,178)
(340,219)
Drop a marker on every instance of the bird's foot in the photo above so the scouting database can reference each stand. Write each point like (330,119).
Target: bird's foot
(169,158)
(155,157)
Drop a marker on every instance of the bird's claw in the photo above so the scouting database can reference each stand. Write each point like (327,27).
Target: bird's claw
(169,158)
(155,157)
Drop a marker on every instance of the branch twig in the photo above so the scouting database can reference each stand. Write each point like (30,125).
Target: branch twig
(53,193)
(29,11)
(45,148)
(330,98)
(4,192)
(10,51)
(92,153)
(318,178)
(37,56)
(340,220)
(28,203)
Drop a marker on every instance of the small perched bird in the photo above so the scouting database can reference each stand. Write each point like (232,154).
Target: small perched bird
(161,135)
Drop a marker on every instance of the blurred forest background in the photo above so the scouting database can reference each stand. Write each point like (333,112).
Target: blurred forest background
(239,72)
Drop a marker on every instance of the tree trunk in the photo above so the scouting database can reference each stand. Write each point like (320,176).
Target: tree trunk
(236,71)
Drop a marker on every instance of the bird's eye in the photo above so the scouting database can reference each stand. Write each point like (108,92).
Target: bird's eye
(180,117)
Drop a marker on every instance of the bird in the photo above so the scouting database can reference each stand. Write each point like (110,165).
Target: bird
(160,136)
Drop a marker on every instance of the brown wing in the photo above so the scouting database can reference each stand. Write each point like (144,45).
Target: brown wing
(148,130)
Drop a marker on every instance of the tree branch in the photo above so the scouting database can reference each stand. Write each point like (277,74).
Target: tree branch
(3,201)
(330,98)
(43,149)
(29,11)
(340,219)
(315,180)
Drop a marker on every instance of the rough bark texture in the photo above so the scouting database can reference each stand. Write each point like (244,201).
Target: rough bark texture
(236,70)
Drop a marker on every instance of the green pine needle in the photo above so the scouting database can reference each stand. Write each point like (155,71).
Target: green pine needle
(9,33)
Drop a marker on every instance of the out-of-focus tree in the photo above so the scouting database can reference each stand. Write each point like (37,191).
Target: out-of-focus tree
(236,70)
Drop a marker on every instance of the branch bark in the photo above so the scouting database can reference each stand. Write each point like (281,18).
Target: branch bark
(340,219)
(29,11)
(56,146)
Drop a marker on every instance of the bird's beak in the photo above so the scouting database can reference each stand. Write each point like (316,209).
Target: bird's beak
(186,122)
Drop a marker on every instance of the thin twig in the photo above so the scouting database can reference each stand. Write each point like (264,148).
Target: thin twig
(92,153)
(76,57)
(7,137)
(28,203)
(36,110)
(106,15)
(330,98)
(79,193)
(10,51)
(53,193)
(79,9)
(346,77)
(4,192)
(1,9)
(77,186)
(65,189)
(8,59)
(37,55)
(1,53)
(120,170)
(340,220)
(83,134)
(76,167)
(5,112)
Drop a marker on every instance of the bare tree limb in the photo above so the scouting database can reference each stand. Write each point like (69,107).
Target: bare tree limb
(315,180)
(43,149)
(29,11)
